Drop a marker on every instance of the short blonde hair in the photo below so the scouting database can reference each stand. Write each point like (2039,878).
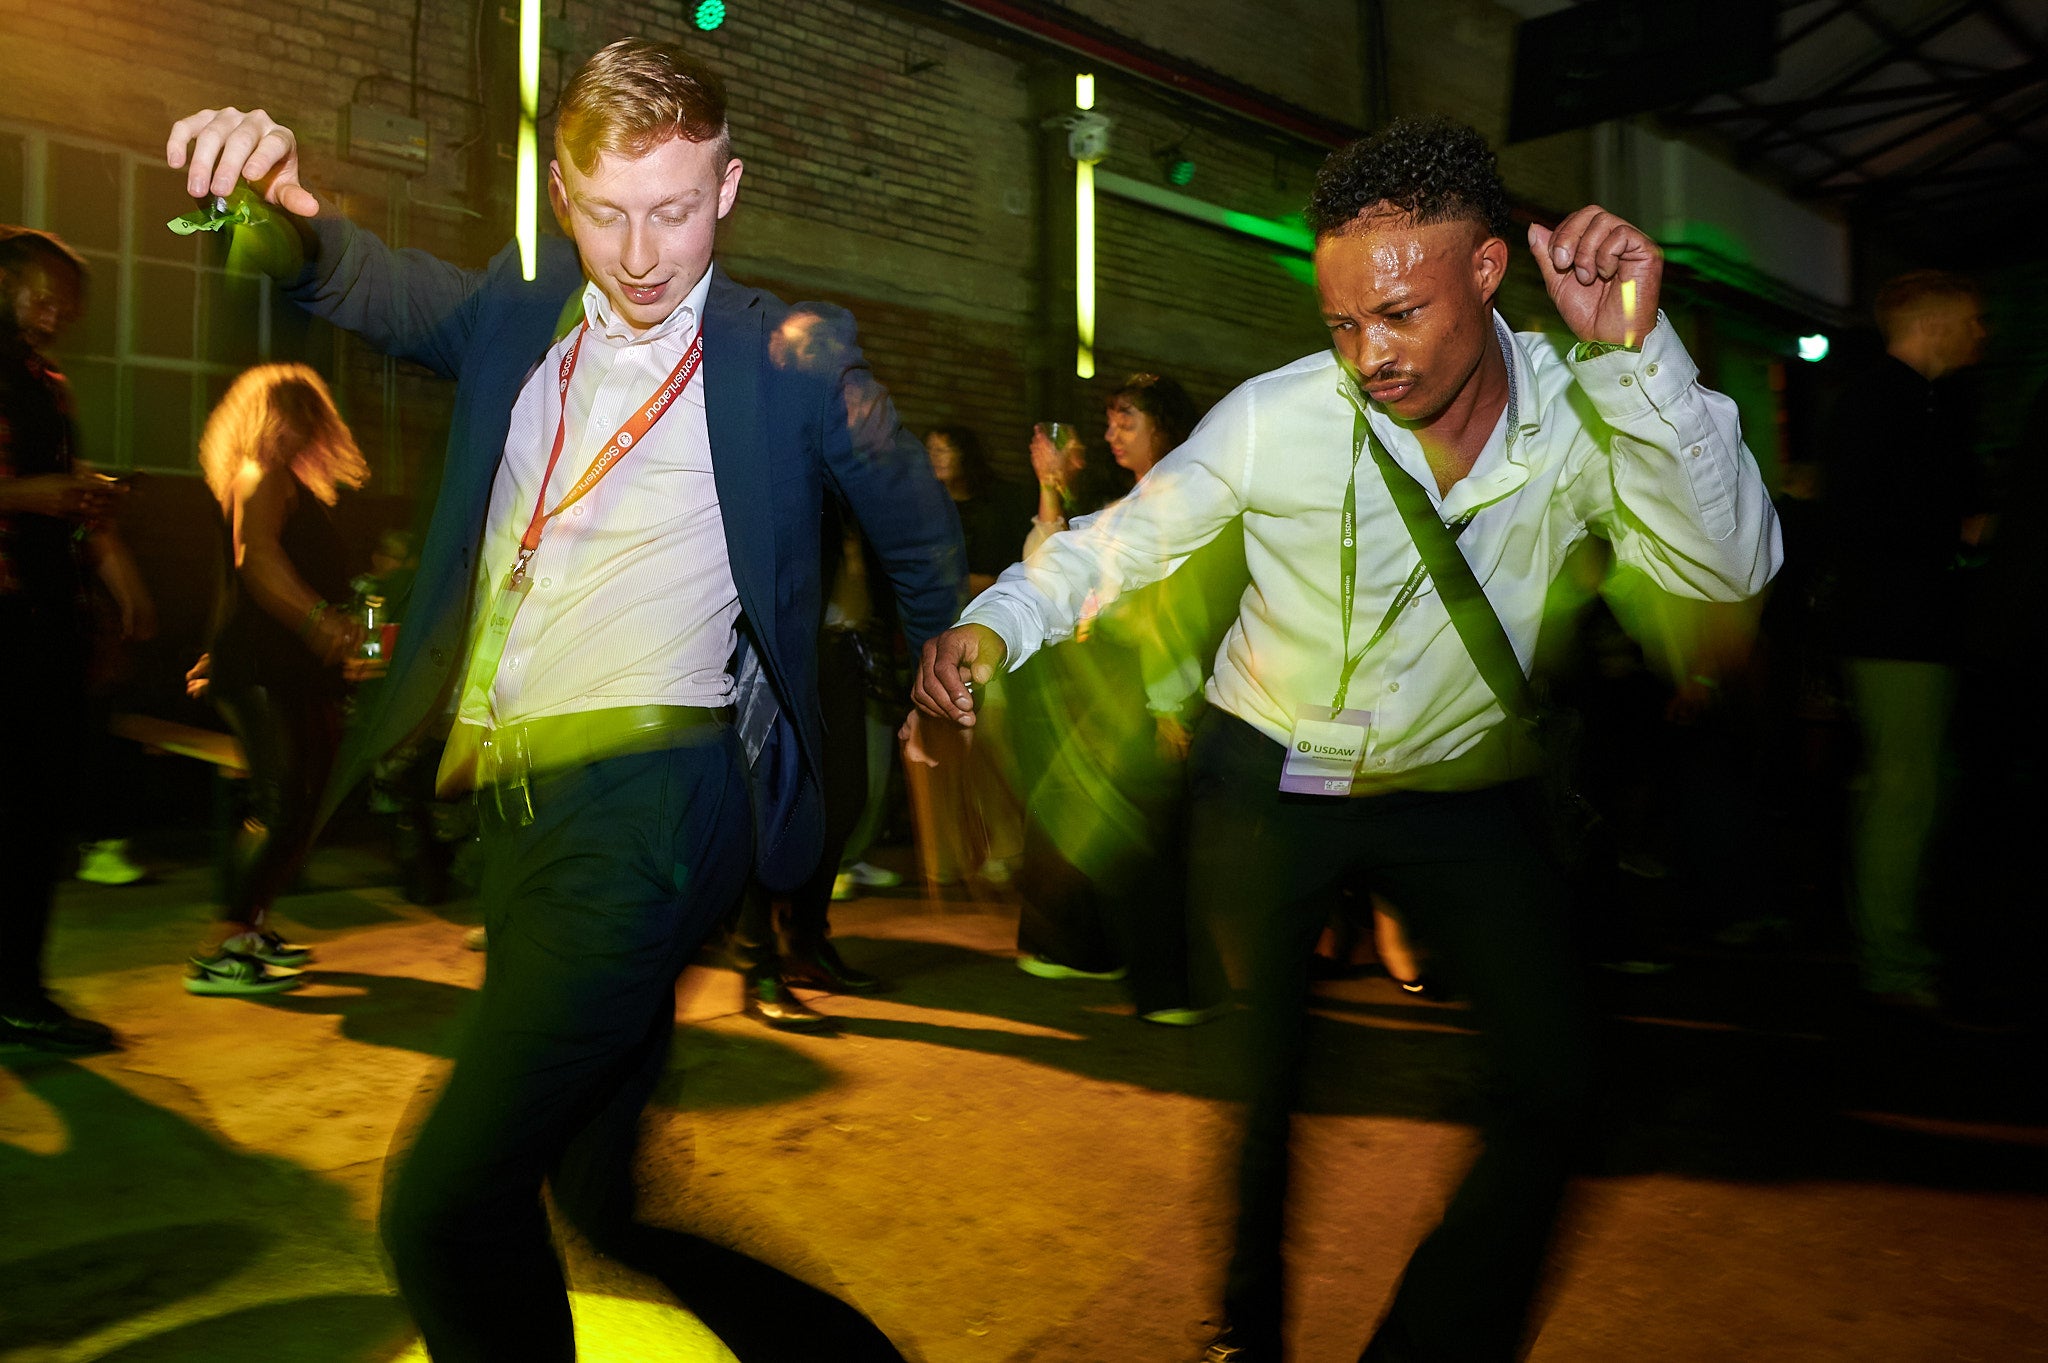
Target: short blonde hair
(634,95)
(280,416)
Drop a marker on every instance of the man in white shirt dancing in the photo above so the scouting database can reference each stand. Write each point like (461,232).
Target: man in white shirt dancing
(1353,731)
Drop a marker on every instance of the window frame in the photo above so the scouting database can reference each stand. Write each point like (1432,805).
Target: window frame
(116,279)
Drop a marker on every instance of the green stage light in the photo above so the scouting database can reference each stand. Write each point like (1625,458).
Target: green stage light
(1177,166)
(709,15)
(1813,348)
(526,191)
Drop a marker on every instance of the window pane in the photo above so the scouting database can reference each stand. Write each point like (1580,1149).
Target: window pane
(84,196)
(93,332)
(13,178)
(161,319)
(160,196)
(160,418)
(94,393)
(212,388)
(296,334)
(229,314)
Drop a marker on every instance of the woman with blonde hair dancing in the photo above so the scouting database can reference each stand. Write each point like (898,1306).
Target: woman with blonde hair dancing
(275,452)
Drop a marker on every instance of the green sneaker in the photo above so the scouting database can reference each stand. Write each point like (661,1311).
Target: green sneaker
(233,972)
(1052,970)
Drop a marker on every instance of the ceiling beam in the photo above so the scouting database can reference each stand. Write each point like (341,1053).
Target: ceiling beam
(1863,70)
(1905,178)
(1943,90)
(1979,103)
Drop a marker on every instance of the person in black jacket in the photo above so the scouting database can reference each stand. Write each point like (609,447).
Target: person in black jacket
(53,532)
(1904,499)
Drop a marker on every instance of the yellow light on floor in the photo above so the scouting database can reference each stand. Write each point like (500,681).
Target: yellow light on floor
(527,194)
(618,1330)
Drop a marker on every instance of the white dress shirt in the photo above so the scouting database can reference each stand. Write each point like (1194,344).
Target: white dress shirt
(1627,444)
(633,600)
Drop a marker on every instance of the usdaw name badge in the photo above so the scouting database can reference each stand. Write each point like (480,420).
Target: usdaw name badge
(1324,750)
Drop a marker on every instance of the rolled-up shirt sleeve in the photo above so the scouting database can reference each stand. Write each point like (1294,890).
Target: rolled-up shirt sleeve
(1678,493)
(1176,508)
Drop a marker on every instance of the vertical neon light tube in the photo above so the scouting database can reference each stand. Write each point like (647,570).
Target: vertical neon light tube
(1084,243)
(527,194)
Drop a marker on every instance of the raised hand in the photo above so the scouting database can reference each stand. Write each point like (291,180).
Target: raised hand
(219,148)
(1048,462)
(1603,274)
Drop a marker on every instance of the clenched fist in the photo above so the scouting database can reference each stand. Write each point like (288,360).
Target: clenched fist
(1602,273)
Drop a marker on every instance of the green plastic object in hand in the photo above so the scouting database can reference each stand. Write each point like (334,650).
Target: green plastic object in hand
(216,216)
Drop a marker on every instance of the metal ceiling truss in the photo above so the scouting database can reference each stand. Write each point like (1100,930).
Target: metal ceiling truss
(1842,138)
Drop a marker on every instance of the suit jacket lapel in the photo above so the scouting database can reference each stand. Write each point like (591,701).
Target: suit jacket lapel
(734,351)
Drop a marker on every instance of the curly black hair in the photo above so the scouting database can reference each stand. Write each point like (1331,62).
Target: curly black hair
(1432,169)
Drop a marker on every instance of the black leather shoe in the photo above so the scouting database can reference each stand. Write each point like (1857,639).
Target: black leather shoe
(769,999)
(41,1023)
(821,967)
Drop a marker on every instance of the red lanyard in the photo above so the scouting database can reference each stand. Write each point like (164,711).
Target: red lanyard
(632,433)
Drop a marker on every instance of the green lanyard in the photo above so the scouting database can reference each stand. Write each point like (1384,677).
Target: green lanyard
(1347,537)
(1347,566)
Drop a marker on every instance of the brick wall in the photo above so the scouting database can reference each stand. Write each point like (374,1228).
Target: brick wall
(893,163)
(1306,52)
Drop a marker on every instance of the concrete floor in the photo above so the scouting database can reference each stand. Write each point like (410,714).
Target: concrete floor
(995,1167)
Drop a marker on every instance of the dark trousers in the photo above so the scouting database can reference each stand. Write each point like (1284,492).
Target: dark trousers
(1483,901)
(842,699)
(1133,914)
(42,692)
(592,912)
(289,737)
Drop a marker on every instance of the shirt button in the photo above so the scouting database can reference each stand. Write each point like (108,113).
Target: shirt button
(1379,761)
(575,510)
(1651,371)
(547,582)
(1393,686)
(1695,451)
(1626,381)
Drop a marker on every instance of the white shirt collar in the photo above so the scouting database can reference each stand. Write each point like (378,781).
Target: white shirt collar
(1501,468)
(677,327)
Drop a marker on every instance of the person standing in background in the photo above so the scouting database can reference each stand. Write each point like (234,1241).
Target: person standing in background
(53,532)
(274,453)
(1904,497)
(1104,884)
(992,510)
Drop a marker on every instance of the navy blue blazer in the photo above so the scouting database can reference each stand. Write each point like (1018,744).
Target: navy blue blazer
(792,409)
